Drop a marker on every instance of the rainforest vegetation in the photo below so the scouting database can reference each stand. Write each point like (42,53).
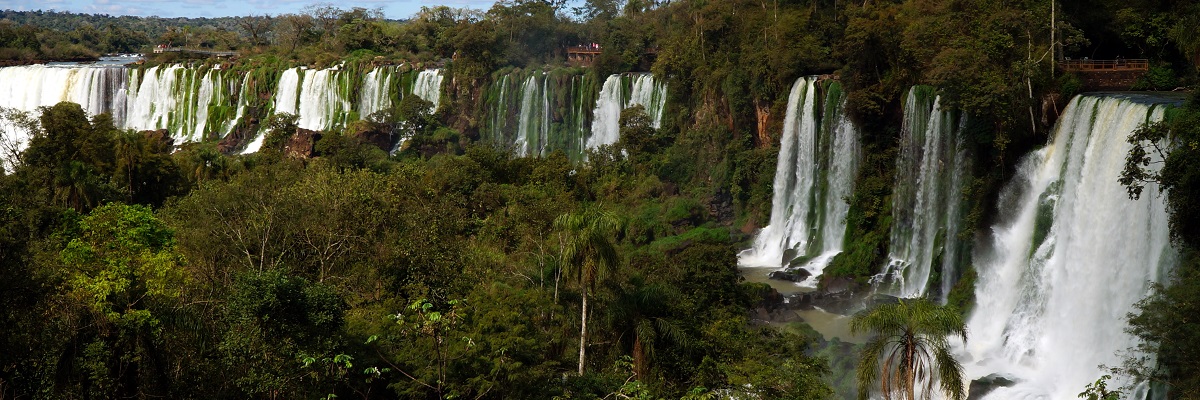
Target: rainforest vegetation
(134,267)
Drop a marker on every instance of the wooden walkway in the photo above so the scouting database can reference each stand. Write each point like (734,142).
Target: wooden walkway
(1105,65)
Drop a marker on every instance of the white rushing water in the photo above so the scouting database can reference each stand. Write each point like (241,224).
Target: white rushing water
(323,103)
(25,88)
(1069,261)
(533,123)
(375,92)
(201,103)
(429,87)
(535,112)
(927,198)
(808,222)
(646,91)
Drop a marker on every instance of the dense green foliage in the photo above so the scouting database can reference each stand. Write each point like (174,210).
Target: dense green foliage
(440,272)
(421,276)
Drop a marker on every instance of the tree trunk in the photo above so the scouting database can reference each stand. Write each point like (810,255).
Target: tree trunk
(910,375)
(583,332)
(639,356)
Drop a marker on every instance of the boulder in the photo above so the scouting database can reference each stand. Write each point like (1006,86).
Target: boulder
(982,386)
(791,275)
(373,134)
(788,256)
(302,145)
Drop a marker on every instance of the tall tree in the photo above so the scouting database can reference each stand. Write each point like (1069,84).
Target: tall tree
(590,253)
(912,349)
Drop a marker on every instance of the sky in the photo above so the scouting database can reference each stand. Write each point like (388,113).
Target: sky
(394,9)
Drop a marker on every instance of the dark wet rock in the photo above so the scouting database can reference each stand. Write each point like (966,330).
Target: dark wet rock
(720,207)
(303,144)
(788,256)
(374,134)
(982,386)
(772,307)
(881,299)
(838,285)
(790,275)
(799,262)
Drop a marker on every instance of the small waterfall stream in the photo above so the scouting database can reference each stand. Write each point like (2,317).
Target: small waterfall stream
(927,198)
(814,174)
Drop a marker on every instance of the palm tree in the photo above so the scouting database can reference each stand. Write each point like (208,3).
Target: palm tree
(641,314)
(589,253)
(912,349)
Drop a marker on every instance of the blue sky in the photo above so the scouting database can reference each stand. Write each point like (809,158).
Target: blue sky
(397,9)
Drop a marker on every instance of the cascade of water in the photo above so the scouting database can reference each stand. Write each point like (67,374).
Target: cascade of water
(842,150)
(25,88)
(429,86)
(544,132)
(150,103)
(926,200)
(814,174)
(529,90)
(499,109)
(651,94)
(1066,265)
(321,100)
(287,100)
(616,96)
(287,93)
(210,89)
(606,117)
(530,121)
(375,93)
(243,101)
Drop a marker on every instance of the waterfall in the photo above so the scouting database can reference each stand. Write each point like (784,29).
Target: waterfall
(927,197)
(375,93)
(25,88)
(429,87)
(195,103)
(529,93)
(614,97)
(648,92)
(533,127)
(499,108)
(244,95)
(535,112)
(151,101)
(814,174)
(1067,263)
(210,87)
(322,101)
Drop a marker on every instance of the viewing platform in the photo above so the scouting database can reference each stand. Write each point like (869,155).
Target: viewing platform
(1105,65)
(583,56)
(1119,74)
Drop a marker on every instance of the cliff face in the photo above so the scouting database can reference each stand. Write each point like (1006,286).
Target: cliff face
(1109,80)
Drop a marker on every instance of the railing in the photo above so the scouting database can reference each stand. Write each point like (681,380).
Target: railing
(1105,65)
(583,49)
(597,50)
